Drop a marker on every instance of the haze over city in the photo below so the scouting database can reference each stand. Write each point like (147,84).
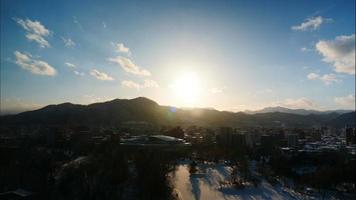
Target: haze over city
(230,55)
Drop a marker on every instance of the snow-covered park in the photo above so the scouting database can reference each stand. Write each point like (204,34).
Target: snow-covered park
(210,184)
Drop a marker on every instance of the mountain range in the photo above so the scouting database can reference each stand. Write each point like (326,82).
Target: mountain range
(295,111)
(142,109)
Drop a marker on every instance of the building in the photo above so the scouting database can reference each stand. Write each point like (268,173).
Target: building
(154,141)
(268,142)
(292,140)
(224,138)
(228,139)
(253,138)
(316,135)
(226,130)
(238,140)
(350,136)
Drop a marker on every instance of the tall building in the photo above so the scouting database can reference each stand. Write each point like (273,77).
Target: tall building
(350,136)
(238,140)
(292,140)
(224,138)
(316,135)
(227,138)
(267,142)
(226,130)
(252,139)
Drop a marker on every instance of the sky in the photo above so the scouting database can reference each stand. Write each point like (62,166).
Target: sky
(227,55)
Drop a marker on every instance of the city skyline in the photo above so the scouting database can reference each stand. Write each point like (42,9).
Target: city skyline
(227,55)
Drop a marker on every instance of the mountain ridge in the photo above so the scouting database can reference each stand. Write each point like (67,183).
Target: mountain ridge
(119,111)
(295,111)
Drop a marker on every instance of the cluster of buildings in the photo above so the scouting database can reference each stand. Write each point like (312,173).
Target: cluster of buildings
(303,140)
(290,140)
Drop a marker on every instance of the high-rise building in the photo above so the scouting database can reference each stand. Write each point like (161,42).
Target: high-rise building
(350,136)
(292,140)
(227,138)
(267,142)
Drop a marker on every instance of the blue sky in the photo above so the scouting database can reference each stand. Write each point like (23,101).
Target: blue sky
(230,55)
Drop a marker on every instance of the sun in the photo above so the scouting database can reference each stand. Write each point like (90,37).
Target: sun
(187,88)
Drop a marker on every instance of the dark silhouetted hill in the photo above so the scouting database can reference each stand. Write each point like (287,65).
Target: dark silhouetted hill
(347,119)
(142,109)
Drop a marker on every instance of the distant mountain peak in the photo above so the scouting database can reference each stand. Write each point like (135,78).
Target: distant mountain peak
(143,99)
(137,99)
(295,111)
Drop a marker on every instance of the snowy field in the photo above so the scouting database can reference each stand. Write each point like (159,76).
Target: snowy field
(205,185)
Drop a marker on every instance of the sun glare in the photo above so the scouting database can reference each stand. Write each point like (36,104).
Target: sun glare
(187,88)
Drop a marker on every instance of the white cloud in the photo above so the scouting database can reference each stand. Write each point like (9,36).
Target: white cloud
(104,24)
(76,21)
(329,78)
(78,73)
(313,76)
(148,83)
(68,42)
(39,39)
(346,101)
(101,75)
(120,47)
(326,78)
(311,24)
(129,66)
(35,31)
(73,66)
(340,52)
(306,49)
(27,62)
(70,65)
(33,26)
(130,84)
(300,103)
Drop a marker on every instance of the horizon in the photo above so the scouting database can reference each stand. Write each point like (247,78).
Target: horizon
(262,110)
(230,56)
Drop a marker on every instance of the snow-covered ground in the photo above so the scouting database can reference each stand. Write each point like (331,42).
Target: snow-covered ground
(206,185)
